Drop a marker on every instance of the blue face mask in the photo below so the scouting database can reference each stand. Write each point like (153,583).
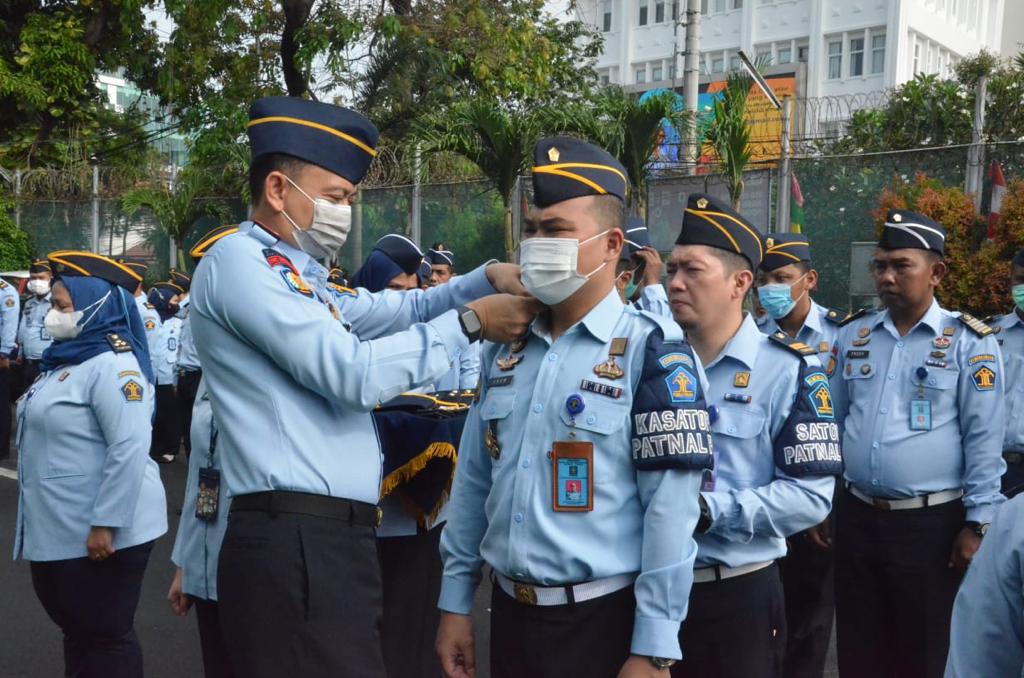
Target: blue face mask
(777,299)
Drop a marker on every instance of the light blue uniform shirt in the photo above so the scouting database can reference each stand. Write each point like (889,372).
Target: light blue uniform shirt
(754,504)
(653,299)
(819,331)
(9,307)
(32,335)
(291,388)
(1010,337)
(987,631)
(465,374)
(197,545)
(501,509)
(188,359)
(876,385)
(83,459)
(151,322)
(165,360)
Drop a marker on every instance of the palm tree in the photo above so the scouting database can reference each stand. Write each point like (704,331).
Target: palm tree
(728,132)
(496,138)
(630,130)
(176,209)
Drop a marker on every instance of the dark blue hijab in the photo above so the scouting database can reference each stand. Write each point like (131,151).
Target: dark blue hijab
(376,272)
(117,313)
(161,300)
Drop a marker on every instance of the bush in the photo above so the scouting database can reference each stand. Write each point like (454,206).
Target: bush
(15,245)
(978,280)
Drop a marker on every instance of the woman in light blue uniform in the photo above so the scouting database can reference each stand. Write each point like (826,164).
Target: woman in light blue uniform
(90,499)
(166,425)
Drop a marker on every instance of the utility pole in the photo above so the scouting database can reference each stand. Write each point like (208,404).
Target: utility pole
(95,235)
(691,83)
(782,205)
(976,151)
(415,226)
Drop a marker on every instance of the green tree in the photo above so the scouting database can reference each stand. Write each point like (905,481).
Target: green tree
(728,132)
(496,138)
(630,130)
(177,210)
(49,55)
(15,245)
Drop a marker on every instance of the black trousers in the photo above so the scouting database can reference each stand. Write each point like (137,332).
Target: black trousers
(735,628)
(211,640)
(300,596)
(894,588)
(589,639)
(166,430)
(5,412)
(188,384)
(807,574)
(410,569)
(94,605)
(1013,479)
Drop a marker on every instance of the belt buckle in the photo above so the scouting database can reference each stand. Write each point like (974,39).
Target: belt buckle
(883,504)
(525,593)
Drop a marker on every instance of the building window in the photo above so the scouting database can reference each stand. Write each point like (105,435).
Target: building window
(605,79)
(657,74)
(675,11)
(856,57)
(801,53)
(737,4)
(717,65)
(606,21)
(917,58)
(641,75)
(835,60)
(763,55)
(643,14)
(785,55)
(734,63)
(704,6)
(659,12)
(878,53)
(719,6)
(672,72)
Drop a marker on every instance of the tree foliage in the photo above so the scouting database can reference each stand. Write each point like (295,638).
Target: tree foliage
(15,245)
(728,132)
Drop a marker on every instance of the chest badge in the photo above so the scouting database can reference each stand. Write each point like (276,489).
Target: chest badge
(509,362)
(941,342)
(610,369)
(863,332)
(948,331)
(741,379)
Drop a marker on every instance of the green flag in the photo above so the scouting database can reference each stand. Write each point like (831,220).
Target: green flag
(796,205)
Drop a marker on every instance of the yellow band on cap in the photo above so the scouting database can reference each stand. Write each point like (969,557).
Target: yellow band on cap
(315,125)
(783,254)
(581,165)
(718,226)
(570,175)
(755,236)
(59,255)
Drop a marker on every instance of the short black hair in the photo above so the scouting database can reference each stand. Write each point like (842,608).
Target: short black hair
(733,262)
(610,211)
(264,165)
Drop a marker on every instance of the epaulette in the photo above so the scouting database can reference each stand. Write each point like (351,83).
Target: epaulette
(118,344)
(790,344)
(3,284)
(835,317)
(150,306)
(991,319)
(855,315)
(975,325)
(341,289)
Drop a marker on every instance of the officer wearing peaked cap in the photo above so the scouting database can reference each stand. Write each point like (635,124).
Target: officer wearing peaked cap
(640,269)
(302,465)
(919,394)
(150,318)
(442,263)
(9,307)
(32,336)
(579,466)
(90,500)
(776,448)
(785,281)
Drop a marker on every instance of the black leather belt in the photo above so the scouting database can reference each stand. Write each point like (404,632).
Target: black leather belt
(1014,457)
(278,501)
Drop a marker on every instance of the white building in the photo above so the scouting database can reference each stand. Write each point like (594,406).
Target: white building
(834,48)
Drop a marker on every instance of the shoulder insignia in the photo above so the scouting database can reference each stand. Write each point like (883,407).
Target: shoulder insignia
(975,325)
(3,284)
(855,315)
(835,317)
(132,391)
(275,259)
(790,344)
(150,325)
(118,344)
(341,289)
(284,266)
(10,302)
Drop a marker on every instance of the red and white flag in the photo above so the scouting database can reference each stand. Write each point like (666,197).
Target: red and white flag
(996,203)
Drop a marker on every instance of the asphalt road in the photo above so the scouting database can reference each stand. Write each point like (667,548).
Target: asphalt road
(30,644)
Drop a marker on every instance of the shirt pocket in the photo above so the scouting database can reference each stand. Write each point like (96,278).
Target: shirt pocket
(606,425)
(738,448)
(494,411)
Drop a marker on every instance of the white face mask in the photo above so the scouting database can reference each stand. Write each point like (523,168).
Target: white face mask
(329,229)
(64,326)
(549,267)
(38,287)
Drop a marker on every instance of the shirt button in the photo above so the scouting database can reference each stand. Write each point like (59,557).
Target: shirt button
(899,344)
(732,429)
(493,409)
(552,357)
(526,463)
(591,419)
(884,410)
(874,482)
(874,445)
(932,382)
(891,377)
(537,407)
(518,517)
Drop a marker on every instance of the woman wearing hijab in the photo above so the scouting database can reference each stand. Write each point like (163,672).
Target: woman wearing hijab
(90,499)
(393,264)
(166,426)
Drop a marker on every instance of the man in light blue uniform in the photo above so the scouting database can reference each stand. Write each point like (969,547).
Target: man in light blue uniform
(784,285)
(150,318)
(1009,331)
(987,634)
(579,467)
(166,426)
(33,338)
(292,391)
(640,269)
(919,393)
(9,307)
(776,448)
